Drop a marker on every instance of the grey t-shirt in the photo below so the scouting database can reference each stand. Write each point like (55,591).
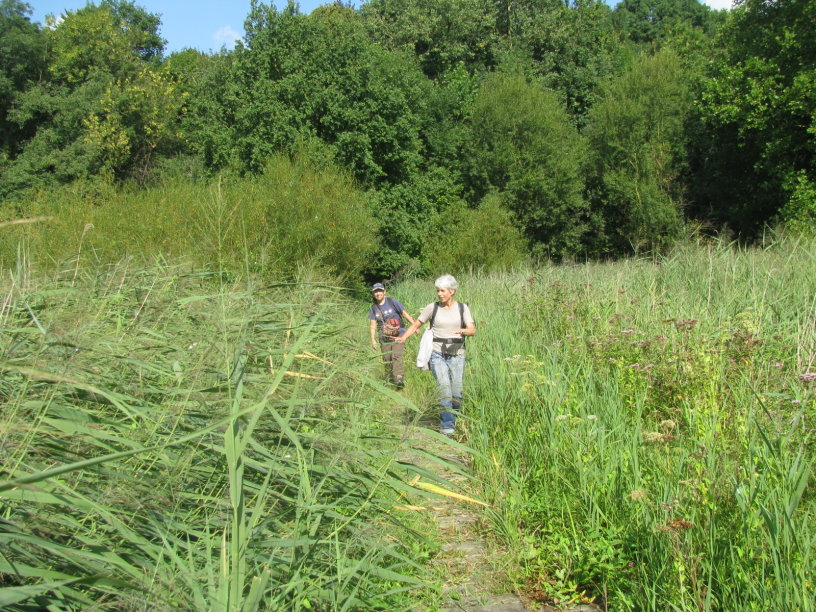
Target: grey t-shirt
(447,321)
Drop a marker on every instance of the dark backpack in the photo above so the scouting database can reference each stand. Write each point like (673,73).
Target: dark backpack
(450,346)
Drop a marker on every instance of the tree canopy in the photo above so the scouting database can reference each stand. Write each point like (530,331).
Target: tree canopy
(592,131)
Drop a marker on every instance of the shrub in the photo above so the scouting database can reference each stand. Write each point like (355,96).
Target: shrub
(291,215)
(484,238)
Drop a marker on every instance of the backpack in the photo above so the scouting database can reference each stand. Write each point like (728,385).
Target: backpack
(390,327)
(450,346)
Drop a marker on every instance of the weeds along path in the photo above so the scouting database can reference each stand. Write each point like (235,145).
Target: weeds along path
(469,568)
(470,581)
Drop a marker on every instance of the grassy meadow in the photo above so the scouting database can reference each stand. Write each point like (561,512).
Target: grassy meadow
(202,437)
(644,429)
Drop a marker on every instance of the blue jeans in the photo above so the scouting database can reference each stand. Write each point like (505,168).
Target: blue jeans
(449,372)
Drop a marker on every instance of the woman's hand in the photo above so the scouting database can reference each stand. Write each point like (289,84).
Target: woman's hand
(470,330)
(409,332)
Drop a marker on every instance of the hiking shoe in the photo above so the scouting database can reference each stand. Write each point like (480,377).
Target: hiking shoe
(448,431)
(398,383)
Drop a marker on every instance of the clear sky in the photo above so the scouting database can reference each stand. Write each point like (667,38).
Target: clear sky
(206,25)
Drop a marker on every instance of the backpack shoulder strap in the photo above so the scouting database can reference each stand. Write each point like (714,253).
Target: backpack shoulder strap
(433,314)
(461,313)
(394,308)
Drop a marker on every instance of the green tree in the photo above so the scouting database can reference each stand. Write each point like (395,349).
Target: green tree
(22,61)
(87,41)
(649,21)
(524,147)
(445,129)
(140,27)
(406,212)
(136,120)
(638,154)
(214,98)
(756,145)
(442,34)
(571,47)
(102,109)
(318,75)
(485,238)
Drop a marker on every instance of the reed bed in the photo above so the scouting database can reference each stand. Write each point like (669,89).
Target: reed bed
(272,224)
(177,438)
(645,429)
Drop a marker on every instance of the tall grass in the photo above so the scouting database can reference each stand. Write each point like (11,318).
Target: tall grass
(176,437)
(645,429)
(272,224)
(181,439)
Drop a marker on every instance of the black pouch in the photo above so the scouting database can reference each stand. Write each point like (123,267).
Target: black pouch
(450,346)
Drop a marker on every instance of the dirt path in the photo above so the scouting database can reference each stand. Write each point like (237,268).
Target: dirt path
(473,582)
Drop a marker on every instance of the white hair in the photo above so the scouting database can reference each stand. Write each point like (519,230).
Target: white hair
(446,281)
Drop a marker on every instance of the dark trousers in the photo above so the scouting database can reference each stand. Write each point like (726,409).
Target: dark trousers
(392,358)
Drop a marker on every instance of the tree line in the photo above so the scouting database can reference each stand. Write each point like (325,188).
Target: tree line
(475,129)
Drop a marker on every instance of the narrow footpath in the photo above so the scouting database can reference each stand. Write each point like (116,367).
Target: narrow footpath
(473,583)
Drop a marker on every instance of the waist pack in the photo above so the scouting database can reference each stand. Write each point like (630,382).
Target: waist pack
(391,327)
(450,346)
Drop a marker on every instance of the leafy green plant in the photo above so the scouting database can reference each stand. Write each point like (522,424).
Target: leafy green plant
(484,238)
(274,224)
(641,426)
(524,146)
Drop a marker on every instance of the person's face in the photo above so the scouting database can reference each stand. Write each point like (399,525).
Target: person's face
(378,295)
(444,295)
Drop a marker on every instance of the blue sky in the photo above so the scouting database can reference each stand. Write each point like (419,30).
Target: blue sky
(206,25)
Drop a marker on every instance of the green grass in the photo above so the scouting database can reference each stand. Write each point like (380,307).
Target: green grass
(643,427)
(176,439)
(201,438)
(274,224)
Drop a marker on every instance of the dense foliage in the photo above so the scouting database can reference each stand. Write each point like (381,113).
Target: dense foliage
(182,439)
(599,131)
(644,429)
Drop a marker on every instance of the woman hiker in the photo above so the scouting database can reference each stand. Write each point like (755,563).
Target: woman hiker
(386,316)
(450,321)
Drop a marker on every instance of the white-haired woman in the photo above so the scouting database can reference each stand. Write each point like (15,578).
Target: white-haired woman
(451,322)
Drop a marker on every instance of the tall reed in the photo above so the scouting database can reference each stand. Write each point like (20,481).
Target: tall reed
(644,428)
(292,214)
(176,438)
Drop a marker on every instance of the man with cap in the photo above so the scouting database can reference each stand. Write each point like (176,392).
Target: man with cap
(387,317)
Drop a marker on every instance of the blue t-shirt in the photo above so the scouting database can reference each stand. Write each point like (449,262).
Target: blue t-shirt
(391,309)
